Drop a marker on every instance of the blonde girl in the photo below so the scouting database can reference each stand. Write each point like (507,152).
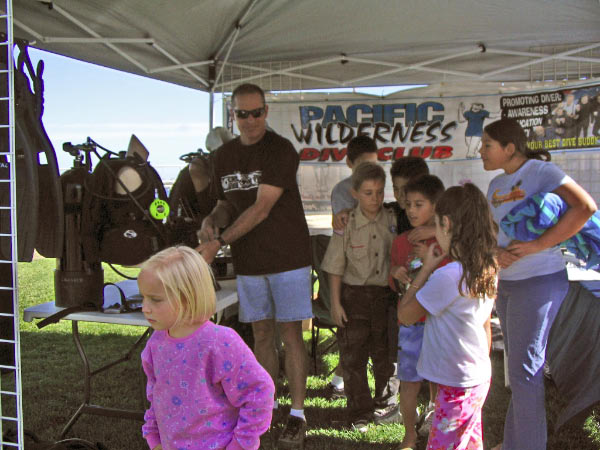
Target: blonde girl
(205,387)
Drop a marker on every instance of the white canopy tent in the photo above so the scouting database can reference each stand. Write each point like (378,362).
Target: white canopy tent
(213,45)
(289,44)
(466,46)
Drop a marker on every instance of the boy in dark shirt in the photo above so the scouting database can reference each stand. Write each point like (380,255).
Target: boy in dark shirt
(402,171)
(360,149)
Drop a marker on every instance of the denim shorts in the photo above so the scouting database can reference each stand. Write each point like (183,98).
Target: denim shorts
(410,341)
(284,296)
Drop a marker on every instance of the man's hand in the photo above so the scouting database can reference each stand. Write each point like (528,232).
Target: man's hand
(421,233)
(400,273)
(338,315)
(340,220)
(505,258)
(208,250)
(209,231)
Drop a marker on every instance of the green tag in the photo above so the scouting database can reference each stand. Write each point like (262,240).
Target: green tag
(159,209)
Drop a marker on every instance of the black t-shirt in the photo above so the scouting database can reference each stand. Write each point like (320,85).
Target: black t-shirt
(281,242)
(402,222)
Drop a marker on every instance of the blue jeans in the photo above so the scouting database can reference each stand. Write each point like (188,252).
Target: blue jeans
(527,309)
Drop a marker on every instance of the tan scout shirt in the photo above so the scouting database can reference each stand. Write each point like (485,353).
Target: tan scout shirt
(362,254)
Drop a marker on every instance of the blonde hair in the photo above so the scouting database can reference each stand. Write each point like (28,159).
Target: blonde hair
(188,282)
(367,171)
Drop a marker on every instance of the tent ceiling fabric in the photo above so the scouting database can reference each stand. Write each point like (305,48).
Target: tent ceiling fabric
(291,44)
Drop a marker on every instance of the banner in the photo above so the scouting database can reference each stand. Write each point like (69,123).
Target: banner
(438,129)
(557,120)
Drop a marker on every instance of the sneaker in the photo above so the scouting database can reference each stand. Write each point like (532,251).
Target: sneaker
(277,416)
(427,420)
(293,434)
(360,425)
(391,414)
(334,393)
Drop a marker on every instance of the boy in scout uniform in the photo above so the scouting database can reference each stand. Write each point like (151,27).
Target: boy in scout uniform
(358,263)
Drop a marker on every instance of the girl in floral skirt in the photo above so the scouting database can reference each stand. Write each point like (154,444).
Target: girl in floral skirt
(457,299)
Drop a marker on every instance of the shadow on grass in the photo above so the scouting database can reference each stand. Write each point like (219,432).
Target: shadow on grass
(53,389)
(53,386)
(577,435)
(573,435)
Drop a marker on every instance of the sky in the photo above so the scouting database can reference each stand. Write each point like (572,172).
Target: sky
(82,99)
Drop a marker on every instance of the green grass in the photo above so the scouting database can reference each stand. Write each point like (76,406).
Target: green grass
(52,386)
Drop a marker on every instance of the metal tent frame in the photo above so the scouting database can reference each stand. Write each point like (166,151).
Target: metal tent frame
(198,45)
(151,54)
(11,412)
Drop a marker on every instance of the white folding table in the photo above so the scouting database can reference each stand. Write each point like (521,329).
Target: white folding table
(226,296)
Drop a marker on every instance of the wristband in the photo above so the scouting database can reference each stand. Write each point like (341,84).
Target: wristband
(415,286)
(221,241)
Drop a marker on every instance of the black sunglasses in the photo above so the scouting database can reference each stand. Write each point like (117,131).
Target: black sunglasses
(243,113)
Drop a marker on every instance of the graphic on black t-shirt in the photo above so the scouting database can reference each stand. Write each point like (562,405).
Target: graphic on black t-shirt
(241,181)
(280,242)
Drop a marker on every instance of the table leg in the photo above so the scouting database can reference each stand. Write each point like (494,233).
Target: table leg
(86,407)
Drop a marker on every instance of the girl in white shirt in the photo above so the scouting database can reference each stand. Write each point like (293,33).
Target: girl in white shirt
(458,300)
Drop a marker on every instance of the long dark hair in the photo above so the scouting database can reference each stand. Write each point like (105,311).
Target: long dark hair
(507,131)
(473,242)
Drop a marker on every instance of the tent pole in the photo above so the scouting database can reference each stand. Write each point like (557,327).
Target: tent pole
(211,106)
(267,72)
(541,60)
(211,93)
(542,55)
(236,27)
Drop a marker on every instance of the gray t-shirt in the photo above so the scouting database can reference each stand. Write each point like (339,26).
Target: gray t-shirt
(341,198)
(508,190)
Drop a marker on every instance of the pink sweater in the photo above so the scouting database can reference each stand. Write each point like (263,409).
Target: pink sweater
(206,391)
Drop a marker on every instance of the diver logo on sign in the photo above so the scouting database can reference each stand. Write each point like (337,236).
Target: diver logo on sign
(241,181)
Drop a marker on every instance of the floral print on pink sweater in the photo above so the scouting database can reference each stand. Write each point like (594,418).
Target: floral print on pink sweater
(206,391)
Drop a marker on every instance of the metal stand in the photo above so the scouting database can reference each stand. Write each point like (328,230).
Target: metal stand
(314,342)
(88,408)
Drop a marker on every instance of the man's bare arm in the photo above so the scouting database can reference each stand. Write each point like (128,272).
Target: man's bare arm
(266,198)
(218,218)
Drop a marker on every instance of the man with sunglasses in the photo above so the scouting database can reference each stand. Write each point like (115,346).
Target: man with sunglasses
(259,213)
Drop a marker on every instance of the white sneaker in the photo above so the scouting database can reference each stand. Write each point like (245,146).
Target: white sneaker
(427,420)
(391,414)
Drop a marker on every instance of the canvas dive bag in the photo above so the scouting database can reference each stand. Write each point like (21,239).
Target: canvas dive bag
(125,211)
(78,282)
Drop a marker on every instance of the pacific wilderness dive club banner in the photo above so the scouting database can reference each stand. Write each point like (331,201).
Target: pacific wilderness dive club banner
(437,128)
